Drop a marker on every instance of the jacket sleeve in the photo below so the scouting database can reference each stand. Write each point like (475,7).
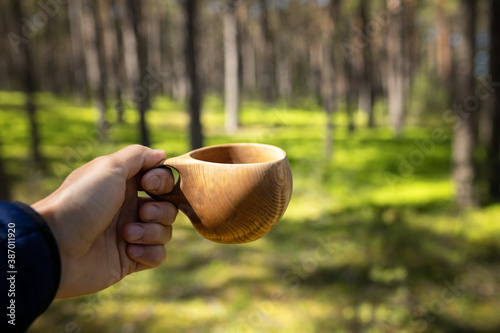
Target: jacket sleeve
(30,263)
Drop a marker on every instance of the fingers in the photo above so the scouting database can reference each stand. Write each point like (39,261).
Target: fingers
(158,211)
(135,158)
(158,181)
(147,233)
(157,229)
(149,255)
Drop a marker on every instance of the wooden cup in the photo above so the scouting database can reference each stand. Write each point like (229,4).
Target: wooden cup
(232,193)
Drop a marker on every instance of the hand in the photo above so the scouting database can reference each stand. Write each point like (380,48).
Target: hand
(104,231)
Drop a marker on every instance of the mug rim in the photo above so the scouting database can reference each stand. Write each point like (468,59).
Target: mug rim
(274,149)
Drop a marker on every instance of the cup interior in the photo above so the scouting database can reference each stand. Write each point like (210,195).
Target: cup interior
(239,154)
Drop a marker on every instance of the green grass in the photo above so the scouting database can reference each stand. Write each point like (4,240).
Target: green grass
(366,245)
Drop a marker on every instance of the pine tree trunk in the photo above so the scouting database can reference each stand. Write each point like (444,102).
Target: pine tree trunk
(327,83)
(141,92)
(328,94)
(464,172)
(118,56)
(194,89)
(396,65)
(131,62)
(247,54)
(77,45)
(365,97)
(101,61)
(350,85)
(166,51)
(231,81)
(95,60)
(267,68)
(443,56)
(28,77)
(494,145)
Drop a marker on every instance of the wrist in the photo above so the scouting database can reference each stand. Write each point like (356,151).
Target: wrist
(47,210)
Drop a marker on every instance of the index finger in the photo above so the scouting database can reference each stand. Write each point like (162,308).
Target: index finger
(157,181)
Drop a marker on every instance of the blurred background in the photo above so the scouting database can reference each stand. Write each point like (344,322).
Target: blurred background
(389,111)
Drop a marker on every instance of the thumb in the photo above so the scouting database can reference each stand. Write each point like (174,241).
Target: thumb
(136,158)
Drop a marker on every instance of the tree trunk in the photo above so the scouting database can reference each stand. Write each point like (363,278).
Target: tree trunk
(28,77)
(179,62)
(194,93)
(494,145)
(231,81)
(166,50)
(248,53)
(118,56)
(140,91)
(283,63)
(328,97)
(365,97)
(326,78)
(267,69)
(350,78)
(131,63)
(464,136)
(443,56)
(101,61)
(95,60)
(396,65)
(77,51)
(153,13)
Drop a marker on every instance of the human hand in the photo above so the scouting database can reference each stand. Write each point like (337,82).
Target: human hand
(104,231)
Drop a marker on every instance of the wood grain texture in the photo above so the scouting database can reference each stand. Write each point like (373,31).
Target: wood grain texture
(234,193)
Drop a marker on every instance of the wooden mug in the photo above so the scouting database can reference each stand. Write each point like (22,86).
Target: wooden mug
(232,193)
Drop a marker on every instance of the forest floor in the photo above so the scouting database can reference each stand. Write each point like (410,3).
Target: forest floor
(371,241)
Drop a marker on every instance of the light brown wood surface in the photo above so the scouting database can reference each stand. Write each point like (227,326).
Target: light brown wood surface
(234,193)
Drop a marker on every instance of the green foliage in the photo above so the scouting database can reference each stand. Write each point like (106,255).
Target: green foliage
(371,241)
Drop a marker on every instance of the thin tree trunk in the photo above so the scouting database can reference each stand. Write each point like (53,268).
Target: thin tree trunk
(95,59)
(396,65)
(267,68)
(443,56)
(328,94)
(365,97)
(27,74)
(118,57)
(141,93)
(350,79)
(130,52)
(248,53)
(314,77)
(194,93)
(464,172)
(494,145)
(166,50)
(77,45)
(101,61)
(153,12)
(327,77)
(283,70)
(231,87)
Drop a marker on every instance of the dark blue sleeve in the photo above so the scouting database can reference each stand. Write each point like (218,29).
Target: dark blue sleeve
(30,263)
